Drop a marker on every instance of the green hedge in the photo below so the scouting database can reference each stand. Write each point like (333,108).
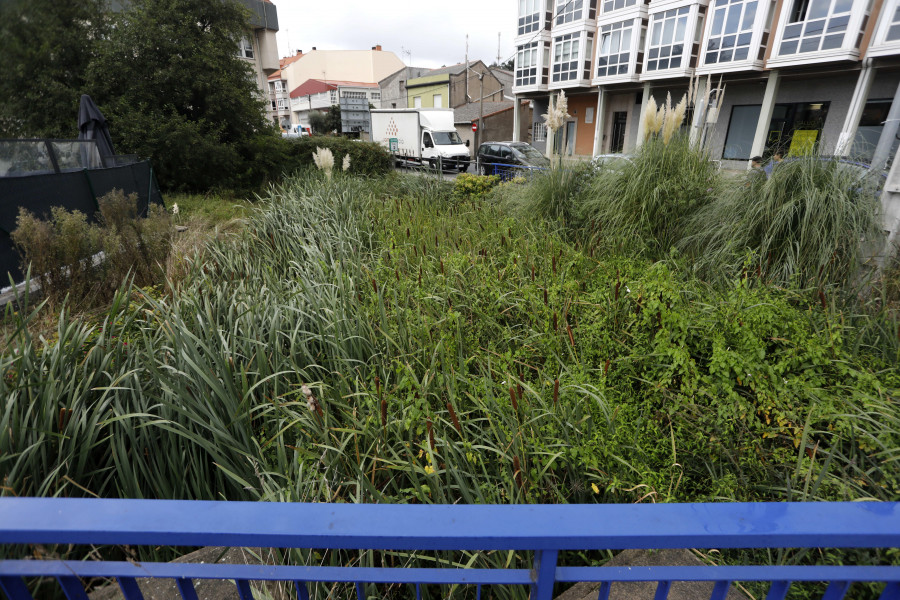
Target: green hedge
(366,158)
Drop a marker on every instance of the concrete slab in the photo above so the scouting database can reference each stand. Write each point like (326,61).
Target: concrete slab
(207,589)
(681,590)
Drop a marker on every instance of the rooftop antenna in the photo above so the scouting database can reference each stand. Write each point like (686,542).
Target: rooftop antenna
(408,53)
(468,98)
(498,48)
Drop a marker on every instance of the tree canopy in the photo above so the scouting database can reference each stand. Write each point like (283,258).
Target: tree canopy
(168,78)
(165,73)
(46,47)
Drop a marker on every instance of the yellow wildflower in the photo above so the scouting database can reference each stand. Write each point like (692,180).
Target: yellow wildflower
(429,469)
(595,488)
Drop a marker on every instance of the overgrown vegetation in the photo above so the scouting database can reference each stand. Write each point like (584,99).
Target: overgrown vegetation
(404,340)
(68,256)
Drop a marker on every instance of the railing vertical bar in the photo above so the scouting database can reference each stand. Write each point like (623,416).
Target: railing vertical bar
(72,587)
(543,574)
(603,592)
(130,588)
(720,591)
(15,588)
(662,590)
(186,588)
(360,592)
(836,590)
(243,588)
(419,592)
(891,591)
(778,590)
(302,592)
(478,592)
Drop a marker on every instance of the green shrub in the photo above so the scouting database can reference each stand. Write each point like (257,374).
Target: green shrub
(473,187)
(645,204)
(810,223)
(366,158)
(554,195)
(59,252)
(63,253)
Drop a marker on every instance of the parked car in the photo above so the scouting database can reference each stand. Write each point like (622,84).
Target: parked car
(616,162)
(517,154)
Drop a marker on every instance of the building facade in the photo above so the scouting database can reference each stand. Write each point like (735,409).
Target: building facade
(795,73)
(454,86)
(260,49)
(317,95)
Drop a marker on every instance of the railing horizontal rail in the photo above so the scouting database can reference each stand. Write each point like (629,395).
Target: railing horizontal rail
(60,568)
(443,527)
(543,530)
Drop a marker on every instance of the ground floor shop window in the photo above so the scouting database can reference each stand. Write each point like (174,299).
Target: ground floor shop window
(868,133)
(795,128)
(741,129)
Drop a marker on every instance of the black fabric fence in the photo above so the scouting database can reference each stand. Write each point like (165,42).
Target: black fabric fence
(75,190)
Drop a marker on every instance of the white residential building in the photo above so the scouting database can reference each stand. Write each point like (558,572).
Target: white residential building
(796,72)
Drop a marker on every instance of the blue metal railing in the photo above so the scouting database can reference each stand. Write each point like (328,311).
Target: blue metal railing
(546,530)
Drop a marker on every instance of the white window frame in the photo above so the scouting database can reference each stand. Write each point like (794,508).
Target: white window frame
(888,19)
(660,52)
(568,52)
(605,7)
(820,33)
(245,48)
(623,34)
(527,67)
(530,16)
(417,101)
(569,11)
(437,101)
(724,46)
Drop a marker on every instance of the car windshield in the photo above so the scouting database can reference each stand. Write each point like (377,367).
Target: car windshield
(529,154)
(446,138)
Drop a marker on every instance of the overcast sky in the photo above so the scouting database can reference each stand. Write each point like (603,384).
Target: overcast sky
(432,32)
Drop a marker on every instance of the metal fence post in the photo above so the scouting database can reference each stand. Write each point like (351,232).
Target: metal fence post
(543,574)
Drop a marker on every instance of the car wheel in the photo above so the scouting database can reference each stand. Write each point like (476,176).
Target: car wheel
(463,168)
(485,170)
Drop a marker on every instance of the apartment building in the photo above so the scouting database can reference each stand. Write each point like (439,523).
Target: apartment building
(259,47)
(795,73)
(319,95)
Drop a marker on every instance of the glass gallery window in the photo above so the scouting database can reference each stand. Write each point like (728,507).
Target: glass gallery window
(893,33)
(613,52)
(732,28)
(565,57)
(667,32)
(568,11)
(529,16)
(526,64)
(611,5)
(815,25)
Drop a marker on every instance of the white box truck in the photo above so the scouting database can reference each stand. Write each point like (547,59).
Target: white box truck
(425,136)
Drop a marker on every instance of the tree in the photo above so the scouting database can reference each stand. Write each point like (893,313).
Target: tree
(168,78)
(326,122)
(46,47)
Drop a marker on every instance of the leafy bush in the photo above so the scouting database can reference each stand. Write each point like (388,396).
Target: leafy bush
(59,253)
(811,222)
(645,204)
(554,195)
(63,254)
(473,187)
(366,158)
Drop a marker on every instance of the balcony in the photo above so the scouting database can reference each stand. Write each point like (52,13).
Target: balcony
(537,534)
(673,39)
(886,41)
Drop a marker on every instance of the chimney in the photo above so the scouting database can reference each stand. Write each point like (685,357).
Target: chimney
(314,47)
(299,52)
(377,48)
